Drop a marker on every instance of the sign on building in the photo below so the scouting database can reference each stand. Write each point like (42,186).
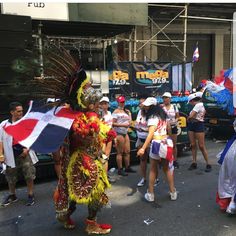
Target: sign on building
(38,10)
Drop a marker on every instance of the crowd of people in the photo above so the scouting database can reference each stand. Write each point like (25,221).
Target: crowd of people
(156,128)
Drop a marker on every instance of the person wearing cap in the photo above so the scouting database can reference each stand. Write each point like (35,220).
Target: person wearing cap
(161,148)
(196,129)
(107,118)
(121,123)
(172,113)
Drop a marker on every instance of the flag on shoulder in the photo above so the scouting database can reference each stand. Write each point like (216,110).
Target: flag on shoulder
(43,128)
(196,54)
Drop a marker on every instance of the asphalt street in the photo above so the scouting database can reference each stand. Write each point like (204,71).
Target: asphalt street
(194,213)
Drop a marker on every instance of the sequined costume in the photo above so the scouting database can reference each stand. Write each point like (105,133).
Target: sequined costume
(82,178)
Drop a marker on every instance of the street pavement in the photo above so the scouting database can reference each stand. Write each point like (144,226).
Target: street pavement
(194,213)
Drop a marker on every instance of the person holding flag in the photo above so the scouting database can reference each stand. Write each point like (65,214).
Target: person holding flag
(16,157)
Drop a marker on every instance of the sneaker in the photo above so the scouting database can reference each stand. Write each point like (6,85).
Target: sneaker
(173,196)
(141,183)
(208,168)
(92,227)
(149,196)
(157,182)
(122,173)
(30,201)
(111,179)
(9,199)
(176,165)
(231,209)
(193,166)
(69,224)
(130,170)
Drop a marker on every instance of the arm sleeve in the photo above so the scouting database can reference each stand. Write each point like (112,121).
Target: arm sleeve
(114,115)
(152,121)
(197,107)
(1,133)
(176,109)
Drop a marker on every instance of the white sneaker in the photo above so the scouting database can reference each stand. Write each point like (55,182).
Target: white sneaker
(173,196)
(157,182)
(149,196)
(141,182)
(231,209)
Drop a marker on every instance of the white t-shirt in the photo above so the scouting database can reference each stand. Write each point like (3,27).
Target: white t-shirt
(200,110)
(141,126)
(121,118)
(7,141)
(161,125)
(108,118)
(171,114)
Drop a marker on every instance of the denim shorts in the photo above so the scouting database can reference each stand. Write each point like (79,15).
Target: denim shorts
(196,127)
(174,129)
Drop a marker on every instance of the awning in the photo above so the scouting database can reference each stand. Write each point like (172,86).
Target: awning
(62,28)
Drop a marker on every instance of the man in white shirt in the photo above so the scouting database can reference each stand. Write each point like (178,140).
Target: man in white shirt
(16,157)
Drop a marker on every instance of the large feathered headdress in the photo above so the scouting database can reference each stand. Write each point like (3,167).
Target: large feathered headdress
(58,75)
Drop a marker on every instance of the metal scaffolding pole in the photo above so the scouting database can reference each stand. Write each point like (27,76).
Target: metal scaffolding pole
(130,46)
(185,33)
(40,41)
(160,30)
(184,48)
(135,43)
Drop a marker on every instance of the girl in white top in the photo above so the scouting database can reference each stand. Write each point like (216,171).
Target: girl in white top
(161,148)
(142,132)
(196,129)
(172,113)
(121,123)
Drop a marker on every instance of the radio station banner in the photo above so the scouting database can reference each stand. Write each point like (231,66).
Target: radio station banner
(128,78)
(120,79)
(152,78)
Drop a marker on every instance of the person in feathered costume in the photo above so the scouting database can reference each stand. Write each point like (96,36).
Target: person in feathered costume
(82,178)
(221,92)
(226,194)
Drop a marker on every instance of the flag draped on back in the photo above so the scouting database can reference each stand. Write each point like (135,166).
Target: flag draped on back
(196,54)
(43,128)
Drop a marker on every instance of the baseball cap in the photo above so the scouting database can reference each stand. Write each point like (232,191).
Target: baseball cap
(150,101)
(167,94)
(104,99)
(120,99)
(194,95)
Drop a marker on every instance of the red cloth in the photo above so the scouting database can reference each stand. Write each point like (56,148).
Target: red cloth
(222,202)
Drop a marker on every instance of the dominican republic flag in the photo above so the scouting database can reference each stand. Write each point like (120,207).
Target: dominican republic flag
(43,128)
(196,54)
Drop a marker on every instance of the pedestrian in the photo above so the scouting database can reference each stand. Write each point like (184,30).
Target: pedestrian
(106,116)
(172,113)
(16,157)
(226,194)
(121,123)
(196,130)
(142,132)
(161,148)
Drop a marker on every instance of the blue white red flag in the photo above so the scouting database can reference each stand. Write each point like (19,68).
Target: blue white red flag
(43,128)
(196,54)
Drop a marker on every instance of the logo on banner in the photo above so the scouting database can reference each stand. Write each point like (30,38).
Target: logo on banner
(119,78)
(152,77)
